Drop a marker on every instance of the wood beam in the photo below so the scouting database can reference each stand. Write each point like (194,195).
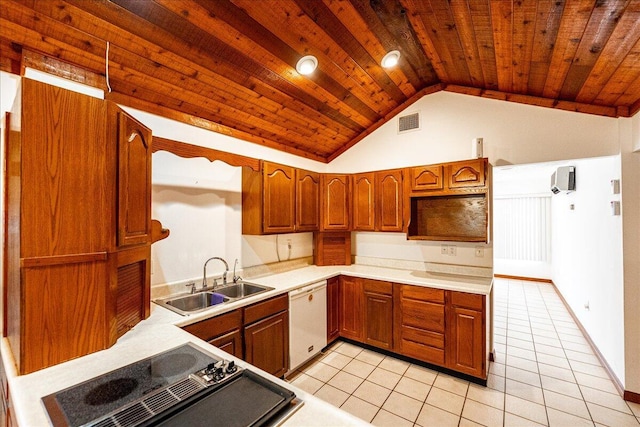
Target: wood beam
(577,107)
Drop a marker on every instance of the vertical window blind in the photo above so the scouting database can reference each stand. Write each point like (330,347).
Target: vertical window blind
(522,228)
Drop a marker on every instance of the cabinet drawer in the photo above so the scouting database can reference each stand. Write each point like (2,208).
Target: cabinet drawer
(265,308)
(377,286)
(216,326)
(422,293)
(463,299)
(423,345)
(423,315)
(420,336)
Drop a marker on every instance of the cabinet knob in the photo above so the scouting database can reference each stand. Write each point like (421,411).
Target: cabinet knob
(310,297)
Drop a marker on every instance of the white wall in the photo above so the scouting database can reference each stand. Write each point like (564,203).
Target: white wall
(629,144)
(587,255)
(513,134)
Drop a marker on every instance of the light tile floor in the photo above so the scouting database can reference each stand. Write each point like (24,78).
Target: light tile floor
(545,374)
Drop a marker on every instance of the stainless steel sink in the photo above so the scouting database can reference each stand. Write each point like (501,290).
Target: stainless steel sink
(192,303)
(195,302)
(241,290)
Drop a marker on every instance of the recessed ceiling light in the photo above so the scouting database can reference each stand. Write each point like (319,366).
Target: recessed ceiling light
(390,59)
(307,65)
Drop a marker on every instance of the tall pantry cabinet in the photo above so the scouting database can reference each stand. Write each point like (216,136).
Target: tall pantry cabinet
(78,243)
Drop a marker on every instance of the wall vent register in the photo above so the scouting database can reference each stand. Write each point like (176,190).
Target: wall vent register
(409,122)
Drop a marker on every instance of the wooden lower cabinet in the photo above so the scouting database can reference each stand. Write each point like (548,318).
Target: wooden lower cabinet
(333,309)
(267,344)
(378,313)
(466,344)
(351,314)
(230,342)
(223,331)
(444,328)
(420,323)
(258,333)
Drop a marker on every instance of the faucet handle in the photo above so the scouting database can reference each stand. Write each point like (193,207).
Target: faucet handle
(235,278)
(193,287)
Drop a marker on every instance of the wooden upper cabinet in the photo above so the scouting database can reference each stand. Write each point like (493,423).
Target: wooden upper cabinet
(468,173)
(307,200)
(389,200)
(426,178)
(279,198)
(377,201)
(134,181)
(335,205)
(364,202)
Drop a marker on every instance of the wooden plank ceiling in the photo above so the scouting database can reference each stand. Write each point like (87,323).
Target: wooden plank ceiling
(229,65)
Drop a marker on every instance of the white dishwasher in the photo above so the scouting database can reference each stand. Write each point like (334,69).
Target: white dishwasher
(307,322)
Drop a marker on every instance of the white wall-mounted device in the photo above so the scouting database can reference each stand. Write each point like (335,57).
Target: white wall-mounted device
(563,179)
(476,148)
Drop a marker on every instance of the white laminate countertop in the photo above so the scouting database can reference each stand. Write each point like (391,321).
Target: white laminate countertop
(161,332)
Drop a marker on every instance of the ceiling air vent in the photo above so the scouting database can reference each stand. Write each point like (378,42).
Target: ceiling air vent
(409,122)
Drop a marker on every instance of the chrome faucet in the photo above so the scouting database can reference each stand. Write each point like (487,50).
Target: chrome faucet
(204,272)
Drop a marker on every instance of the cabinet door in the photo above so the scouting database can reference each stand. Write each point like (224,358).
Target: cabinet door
(335,202)
(230,342)
(134,181)
(267,344)
(363,201)
(426,178)
(279,198)
(389,200)
(333,309)
(465,341)
(470,173)
(307,200)
(378,319)
(351,296)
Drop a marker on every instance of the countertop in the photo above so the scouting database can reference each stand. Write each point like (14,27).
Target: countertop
(159,333)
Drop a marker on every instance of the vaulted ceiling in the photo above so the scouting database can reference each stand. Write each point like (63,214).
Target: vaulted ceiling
(229,65)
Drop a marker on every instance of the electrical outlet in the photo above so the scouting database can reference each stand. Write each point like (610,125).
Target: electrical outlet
(452,250)
(444,250)
(288,243)
(479,252)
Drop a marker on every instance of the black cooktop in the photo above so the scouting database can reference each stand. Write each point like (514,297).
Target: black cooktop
(101,395)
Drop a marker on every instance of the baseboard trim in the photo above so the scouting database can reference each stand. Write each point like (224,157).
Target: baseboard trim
(528,279)
(625,394)
(631,396)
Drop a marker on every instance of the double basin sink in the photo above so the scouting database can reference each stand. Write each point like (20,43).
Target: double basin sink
(203,300)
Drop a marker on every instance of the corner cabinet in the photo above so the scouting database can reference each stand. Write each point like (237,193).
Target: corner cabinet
(307,200)
(75,283)
(336,202)
(279,199)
